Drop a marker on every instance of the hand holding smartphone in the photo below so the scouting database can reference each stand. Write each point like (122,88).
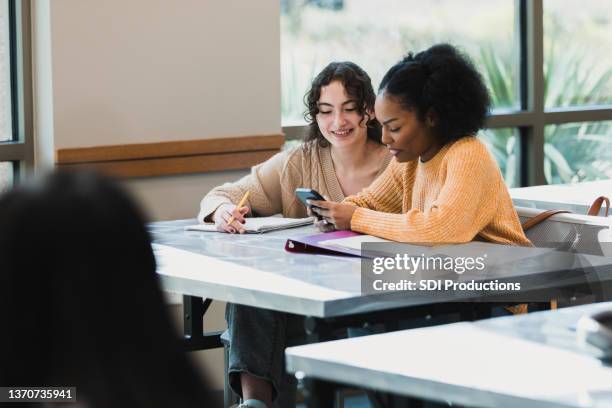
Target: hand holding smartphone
(305,194)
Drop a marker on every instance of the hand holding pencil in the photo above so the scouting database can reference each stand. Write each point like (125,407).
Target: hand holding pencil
(230,217)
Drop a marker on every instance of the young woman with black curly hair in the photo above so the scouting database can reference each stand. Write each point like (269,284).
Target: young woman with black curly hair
(443,186)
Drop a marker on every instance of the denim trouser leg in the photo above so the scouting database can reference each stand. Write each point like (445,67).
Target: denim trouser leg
(258,339)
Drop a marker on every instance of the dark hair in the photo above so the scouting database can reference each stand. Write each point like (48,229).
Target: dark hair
(444,81)
(80,302)
(358,86)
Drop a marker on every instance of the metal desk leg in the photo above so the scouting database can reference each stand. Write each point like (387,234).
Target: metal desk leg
(193,325)
(229,397)
(317,329)
(469,312)
(319,394)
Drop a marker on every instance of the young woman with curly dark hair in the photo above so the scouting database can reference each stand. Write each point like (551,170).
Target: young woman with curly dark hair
(343,78)
(342,153)
(443,186)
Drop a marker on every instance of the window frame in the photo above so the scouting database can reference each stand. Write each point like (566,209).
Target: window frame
(20,149)
(532,117)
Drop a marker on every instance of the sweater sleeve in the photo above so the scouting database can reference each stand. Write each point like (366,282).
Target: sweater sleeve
(385,193)
(465,205)
(264,184)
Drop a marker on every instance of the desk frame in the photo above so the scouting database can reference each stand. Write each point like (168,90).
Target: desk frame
(194,309)
(320,393)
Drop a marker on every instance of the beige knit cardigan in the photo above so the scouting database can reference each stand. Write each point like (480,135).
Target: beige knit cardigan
(273,182)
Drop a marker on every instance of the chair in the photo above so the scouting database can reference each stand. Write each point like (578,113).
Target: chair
(584,234)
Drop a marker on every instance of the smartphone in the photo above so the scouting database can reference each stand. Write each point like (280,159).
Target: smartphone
(304,194)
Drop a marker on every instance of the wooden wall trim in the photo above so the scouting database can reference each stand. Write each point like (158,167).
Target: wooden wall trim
(176,165)
(172,158)
(169,149)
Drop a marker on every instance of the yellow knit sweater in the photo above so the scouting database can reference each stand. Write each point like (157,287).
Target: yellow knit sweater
(457,196)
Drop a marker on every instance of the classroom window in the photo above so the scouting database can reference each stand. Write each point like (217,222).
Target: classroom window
(577,49)
(6,176)
(503,143)
(16,144)
(376,34)
(545,62)
(6,132)
(575,152)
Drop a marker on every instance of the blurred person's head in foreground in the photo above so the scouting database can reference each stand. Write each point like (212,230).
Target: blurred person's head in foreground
(80,303)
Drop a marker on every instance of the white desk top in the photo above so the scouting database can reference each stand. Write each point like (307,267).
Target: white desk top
(574,197)
(257,271)
(504,362)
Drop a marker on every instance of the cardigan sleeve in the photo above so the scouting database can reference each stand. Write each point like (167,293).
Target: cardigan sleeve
(466,204)
(385,192)
(264,184)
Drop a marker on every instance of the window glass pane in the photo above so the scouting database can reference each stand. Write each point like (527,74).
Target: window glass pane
(578,152)
(291,143)
(376,34)
(577,49)
(6,176)
(5,83)
(503,145)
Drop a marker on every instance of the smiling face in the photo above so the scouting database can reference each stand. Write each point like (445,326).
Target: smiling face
(407,137)
(338,118)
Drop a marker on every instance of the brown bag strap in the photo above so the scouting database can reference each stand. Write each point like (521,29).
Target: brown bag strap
(593,211)
(541,217)
(596,206)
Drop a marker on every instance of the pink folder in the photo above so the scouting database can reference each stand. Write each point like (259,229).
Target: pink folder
(311,244)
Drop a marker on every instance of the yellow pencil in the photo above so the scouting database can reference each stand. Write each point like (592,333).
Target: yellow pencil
(240,204)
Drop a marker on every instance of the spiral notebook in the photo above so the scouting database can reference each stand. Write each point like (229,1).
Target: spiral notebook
(259,225)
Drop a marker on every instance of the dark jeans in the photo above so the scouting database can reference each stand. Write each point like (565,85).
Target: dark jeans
(258,338)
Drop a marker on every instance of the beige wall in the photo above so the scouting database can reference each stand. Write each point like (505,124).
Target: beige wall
(155,70)
(142,71)
(176,197)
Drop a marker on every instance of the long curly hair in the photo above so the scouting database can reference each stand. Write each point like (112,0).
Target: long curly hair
(358,86)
